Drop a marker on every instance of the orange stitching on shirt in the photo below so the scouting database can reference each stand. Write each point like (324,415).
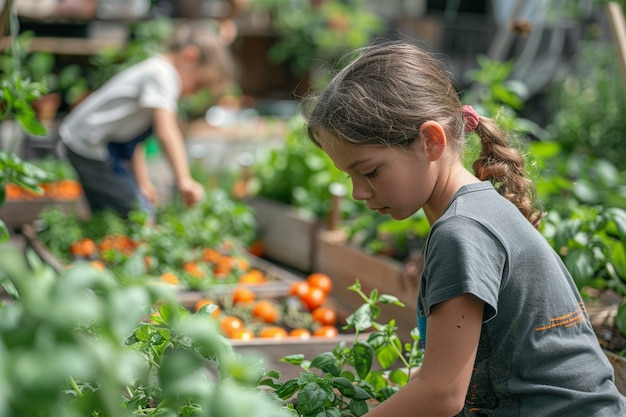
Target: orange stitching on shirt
(567,320)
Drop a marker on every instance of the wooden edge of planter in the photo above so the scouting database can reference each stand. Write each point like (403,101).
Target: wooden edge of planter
(30,234)
(17,213)
(288,234)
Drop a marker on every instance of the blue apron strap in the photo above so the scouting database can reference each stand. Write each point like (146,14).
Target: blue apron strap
(125,150)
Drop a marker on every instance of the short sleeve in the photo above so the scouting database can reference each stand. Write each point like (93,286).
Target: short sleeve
(462,257)
(160,89)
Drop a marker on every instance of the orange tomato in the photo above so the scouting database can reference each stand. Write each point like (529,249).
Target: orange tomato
(230,325)
(254,276)
(210,255)
(325,316)
(266,311)
(193,269)
(300,332)
(321,281)
(273,332)
(243,334)
(98,265)
(170,278)
(326,331)
(299,289)
(202,302)
(85,247)
(314,298)
(243,295)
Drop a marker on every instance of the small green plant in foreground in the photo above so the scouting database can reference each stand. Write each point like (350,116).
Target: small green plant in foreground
(346,381)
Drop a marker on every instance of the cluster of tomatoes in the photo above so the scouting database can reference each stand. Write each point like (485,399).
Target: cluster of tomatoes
(267,314)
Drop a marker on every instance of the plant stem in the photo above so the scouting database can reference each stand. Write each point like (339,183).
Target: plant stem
(75,387)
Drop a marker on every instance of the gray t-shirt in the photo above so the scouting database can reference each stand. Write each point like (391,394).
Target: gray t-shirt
(122,108)
(537,355)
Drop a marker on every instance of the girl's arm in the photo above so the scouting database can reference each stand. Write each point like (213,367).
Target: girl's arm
(140,170)
(440,387)
(171,138)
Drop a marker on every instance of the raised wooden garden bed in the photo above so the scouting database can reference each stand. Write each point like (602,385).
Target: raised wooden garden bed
(288,235)
(271,350)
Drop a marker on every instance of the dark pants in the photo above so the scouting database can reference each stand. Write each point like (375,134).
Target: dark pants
(109,185)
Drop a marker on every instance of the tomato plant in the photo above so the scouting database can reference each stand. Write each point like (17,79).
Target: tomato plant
(102,356)
(341,382)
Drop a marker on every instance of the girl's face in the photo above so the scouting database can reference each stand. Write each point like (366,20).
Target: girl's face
(198,77)
(390,180)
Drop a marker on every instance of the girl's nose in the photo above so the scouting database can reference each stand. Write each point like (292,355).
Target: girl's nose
(361,190)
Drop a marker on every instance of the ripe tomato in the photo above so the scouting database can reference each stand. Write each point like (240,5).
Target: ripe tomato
(202,302)
(326,331)
(243,295)
(325,316)
(266,311)
(193,269)
(314,298)
(170,278)
(254,276)
(230,325)
(273,332)
(299,289)
(85,247)
(321,281)
(300,332)
(243,334)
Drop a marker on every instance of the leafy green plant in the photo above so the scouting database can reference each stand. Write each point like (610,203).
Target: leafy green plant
(309,31)
(589,107)
(592,242)
(297,173)
(80,343)
(346,381)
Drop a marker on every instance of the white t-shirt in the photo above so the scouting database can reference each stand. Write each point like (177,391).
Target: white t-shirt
(122,108)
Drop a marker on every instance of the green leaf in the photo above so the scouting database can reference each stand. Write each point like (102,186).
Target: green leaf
(344,386)
(358,407)
(295,359)
(398,376)
(361,319)
(620,320)
(387,354)
(580,263)
(287,389)
(363,356)
(311,398)
(361,394)
(327,363)
(390,299)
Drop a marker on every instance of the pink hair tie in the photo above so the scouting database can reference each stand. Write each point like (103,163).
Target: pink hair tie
(471,118)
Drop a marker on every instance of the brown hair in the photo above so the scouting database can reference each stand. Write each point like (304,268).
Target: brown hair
(393,87)
(212,50)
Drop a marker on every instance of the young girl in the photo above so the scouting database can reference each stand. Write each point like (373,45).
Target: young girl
(504,328)
(102,133)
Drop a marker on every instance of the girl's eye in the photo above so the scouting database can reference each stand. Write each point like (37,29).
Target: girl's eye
(372,173)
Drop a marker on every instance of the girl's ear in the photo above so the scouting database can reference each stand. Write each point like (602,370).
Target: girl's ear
(434,139)
(190,53)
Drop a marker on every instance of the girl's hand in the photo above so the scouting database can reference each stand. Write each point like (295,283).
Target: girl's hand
(191,191)
(150,192)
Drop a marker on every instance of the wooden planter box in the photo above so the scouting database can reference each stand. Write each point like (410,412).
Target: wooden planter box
(345,265)
(287,234)
(17,213)
(270,350)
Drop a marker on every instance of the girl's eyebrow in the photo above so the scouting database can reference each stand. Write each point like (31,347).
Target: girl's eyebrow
(356,163)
